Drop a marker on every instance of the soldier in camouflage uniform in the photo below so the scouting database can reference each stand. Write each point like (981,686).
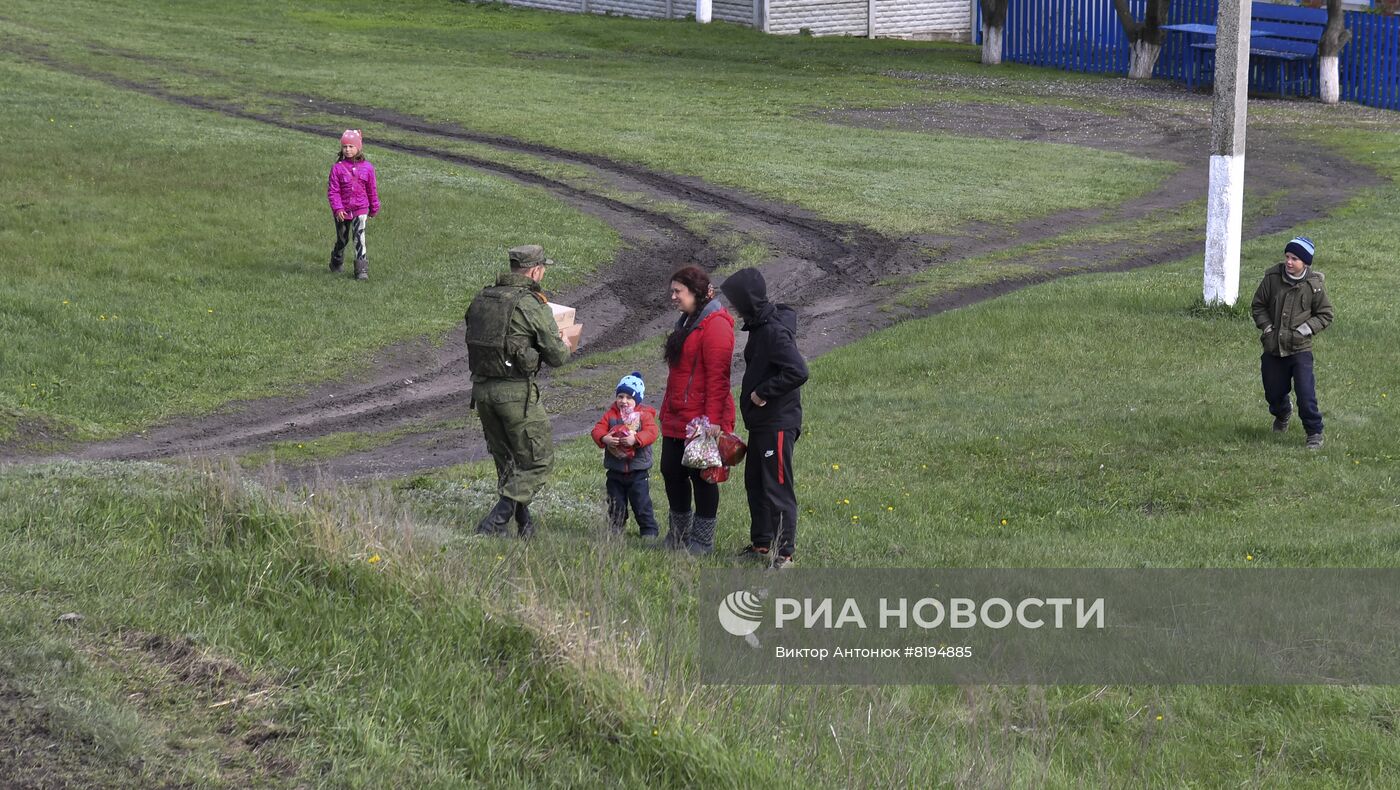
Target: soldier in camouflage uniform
(510,332)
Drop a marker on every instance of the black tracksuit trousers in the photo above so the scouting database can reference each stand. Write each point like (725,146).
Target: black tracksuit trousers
(772,497)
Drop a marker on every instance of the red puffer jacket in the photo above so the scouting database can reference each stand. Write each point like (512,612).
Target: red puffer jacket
(699,382)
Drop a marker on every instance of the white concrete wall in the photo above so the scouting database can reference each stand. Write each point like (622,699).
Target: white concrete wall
(893,18)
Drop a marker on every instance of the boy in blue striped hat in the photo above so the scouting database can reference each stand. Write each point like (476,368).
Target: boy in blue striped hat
(1290,307)
(626,433)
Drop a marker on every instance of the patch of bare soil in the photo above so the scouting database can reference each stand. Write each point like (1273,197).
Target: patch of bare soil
(230,711)
(838,276)
(37,752)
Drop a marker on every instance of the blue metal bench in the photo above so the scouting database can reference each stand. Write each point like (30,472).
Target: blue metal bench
(1283,39)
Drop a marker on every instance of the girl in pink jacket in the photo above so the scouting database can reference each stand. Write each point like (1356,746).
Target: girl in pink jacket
(354,199)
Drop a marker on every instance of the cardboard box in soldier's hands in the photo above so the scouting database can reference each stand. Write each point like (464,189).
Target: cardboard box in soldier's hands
(564,317)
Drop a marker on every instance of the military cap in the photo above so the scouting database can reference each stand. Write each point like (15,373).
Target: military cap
(528,255)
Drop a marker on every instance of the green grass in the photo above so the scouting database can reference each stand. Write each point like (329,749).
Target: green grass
(724,103)
(334,445)
(393,673)
(163,261)
(1121,238)
(1100,421)
(1103,420)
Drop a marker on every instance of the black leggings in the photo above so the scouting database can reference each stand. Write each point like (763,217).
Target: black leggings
(681,480)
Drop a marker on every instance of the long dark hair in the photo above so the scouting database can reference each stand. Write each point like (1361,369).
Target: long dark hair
(358,157)
(697,282)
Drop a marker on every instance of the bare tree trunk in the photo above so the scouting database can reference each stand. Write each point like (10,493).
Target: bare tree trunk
(1334,37)
(1145,37)
(993,23)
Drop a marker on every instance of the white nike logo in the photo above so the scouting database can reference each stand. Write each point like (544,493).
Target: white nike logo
(768,454)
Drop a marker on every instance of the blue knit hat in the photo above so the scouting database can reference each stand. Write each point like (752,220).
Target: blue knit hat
(633,385)
(1302,247)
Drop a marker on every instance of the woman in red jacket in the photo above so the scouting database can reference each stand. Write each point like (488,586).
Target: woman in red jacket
(699,352)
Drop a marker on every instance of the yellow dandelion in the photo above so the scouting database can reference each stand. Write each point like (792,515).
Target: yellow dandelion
(924,466)
(1003,522)
(845,501)
(836,467)
(655,733)
(855,518)
(1249,558)
(890,508)
(374,559)
(211,311)
(1159,717)
(65,301)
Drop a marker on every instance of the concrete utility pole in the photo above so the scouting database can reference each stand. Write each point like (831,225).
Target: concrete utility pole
(1225,197)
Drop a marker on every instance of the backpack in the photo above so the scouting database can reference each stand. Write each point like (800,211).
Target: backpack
(492,352)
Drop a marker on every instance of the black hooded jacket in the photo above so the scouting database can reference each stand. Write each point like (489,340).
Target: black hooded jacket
(773,367)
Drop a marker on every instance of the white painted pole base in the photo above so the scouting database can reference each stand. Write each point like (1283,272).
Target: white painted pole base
(702,11)
(991,45)
(1224,222)
(1143,60)
(1330,85)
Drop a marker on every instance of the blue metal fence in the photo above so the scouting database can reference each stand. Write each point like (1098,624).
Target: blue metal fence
(1370,63)
(1084,35)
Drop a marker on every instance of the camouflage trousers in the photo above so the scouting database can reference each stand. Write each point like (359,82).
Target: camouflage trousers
(518,435)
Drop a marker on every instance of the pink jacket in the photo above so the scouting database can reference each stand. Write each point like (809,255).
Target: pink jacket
(351,188)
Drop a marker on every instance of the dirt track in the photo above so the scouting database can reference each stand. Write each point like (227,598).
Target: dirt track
(837,275)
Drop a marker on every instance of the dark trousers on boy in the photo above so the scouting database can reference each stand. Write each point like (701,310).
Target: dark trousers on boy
(1293,372)
(772,497)
(631,489)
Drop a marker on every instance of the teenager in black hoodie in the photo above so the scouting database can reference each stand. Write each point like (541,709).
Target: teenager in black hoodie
(771,403)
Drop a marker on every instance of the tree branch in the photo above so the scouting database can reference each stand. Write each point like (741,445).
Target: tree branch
(1125,18)
(1335,35)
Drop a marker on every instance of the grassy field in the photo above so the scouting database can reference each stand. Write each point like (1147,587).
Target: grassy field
(724,103)
(115,199)
(1099,421)
(162,261)
(987,446)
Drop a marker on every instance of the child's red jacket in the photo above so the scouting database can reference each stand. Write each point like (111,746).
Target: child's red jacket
(647,433)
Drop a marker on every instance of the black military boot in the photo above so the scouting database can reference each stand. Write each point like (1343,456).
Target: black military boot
(336,263)
(361,268)
(524,524)
(497,520)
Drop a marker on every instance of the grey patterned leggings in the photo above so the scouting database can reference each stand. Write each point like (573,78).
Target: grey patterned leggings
(344,230)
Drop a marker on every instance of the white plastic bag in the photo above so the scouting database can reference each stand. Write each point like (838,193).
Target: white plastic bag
(701,449)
